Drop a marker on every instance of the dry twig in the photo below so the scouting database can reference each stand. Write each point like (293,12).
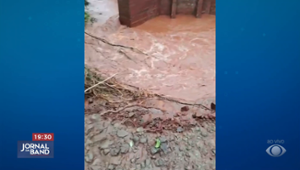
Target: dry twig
(101,82)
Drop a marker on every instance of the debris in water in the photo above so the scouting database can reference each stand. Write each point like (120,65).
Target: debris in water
(185,109)
(213,106)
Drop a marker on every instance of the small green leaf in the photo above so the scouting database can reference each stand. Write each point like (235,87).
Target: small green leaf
(157,145)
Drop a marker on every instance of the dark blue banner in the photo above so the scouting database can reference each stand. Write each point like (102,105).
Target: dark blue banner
(42,81)
(257,79)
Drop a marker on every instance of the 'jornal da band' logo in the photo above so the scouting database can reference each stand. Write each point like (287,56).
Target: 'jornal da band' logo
(35,149)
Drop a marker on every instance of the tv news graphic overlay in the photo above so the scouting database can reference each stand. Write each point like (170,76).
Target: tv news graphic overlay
(35,149)
(275,150)
(42,136)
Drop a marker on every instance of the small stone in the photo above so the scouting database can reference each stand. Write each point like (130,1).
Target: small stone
(97,162)
(213,106)
(180,154)
(89,157)
(133,160)
(135,150)
(105,144)
(124,148)
(93,20)
(163,139)
(204,151)
(147,162)
(153,150)
(164,148)
(189,167)
(114,151)
(160,162)
(106,151)
(182,148)
(188,148)
(131,143)
(179,129)
(116,160)
(117,125)
(204,132)
(196,153)
(135,139)
(114,132)
(131,114)
(198,115)
(172,138)
(139,166)
(140,129)
(122,133)
(197,129)
(199,144)
(89,128)
(111,167)
(143,140)
(213,151)
(95,117)
(184,109)
(155,111)
(88,142)
(213,165)
(143,164)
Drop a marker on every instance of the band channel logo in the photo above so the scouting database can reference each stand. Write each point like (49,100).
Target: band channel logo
(275,150)
(37,148)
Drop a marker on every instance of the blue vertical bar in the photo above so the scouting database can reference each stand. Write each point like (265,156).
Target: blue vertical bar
(42,80)
(258,80)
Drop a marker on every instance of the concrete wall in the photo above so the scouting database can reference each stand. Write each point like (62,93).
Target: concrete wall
(136,12)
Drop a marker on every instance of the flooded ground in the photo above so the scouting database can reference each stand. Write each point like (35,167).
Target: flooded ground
(171,58)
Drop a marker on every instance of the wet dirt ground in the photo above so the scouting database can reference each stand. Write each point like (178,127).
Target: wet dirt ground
(173,58)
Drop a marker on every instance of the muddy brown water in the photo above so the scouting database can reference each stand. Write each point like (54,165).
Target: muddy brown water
(172,57)
(179,63)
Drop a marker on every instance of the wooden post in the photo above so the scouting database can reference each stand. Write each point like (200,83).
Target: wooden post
(199,8)
(208,7)
(173,8)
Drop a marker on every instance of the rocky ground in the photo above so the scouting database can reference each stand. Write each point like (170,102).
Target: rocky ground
(112,143)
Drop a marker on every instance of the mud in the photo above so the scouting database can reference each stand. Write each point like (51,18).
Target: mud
(174,59)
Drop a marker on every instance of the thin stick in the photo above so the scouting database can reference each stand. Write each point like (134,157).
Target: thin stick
(101,82)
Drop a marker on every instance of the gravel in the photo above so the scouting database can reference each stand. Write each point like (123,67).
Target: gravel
(122,133)
(114,151)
